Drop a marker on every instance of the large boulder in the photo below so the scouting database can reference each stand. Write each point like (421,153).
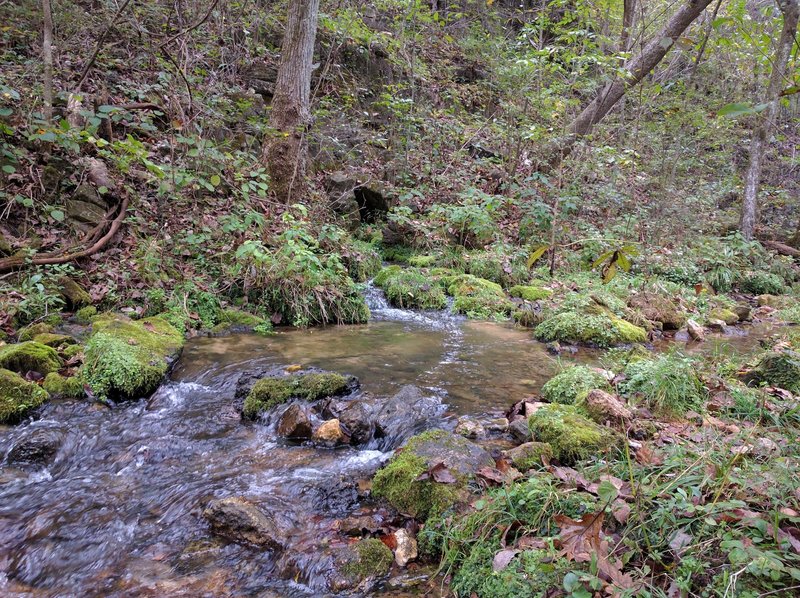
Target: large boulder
(406,413)
(357,196)
(18,396)
(658,308)
(238,519)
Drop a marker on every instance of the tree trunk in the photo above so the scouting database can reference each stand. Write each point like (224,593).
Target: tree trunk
(758,143)
(47,59)
(628,13)
(286,152)
(637,68)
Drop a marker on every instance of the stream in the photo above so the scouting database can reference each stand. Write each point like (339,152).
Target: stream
(118,510)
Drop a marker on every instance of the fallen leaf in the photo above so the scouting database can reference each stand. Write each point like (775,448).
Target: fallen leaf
(531,542)
(438,473)
(490,474)
(503,558)
(679,541)
(621,511)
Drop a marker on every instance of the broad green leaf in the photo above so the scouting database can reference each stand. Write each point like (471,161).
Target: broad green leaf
(736,109)
(57,215)
(607,492)
(537,253)
(215,180)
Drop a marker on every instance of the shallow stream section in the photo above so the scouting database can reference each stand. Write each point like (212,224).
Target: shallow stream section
(118,509)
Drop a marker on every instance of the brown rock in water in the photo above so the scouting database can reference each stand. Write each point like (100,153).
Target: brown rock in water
(406,549)
(330,432)
(519,430)
(696,331)
(469,428)
(295,423)
(237,519)
(603,406)
(717,325)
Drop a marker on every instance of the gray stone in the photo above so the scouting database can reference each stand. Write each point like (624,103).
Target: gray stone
(237,519)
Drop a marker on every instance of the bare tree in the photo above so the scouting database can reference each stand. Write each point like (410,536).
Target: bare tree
(758,143)
(286,152)
(47,59)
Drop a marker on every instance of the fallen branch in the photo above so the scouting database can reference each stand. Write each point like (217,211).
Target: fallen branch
(781,248)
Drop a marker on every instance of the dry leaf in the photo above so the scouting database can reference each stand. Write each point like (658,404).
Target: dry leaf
(503,558)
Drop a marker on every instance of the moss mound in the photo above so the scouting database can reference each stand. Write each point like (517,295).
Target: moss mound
(602,330)
(571,435)
(777,368)
(369,558)
(85,314)
(528,318)
(18,396)
(29,332)
(477,297)
(529,293)
(126,359)
(572,384)
(236,320)
(30,356)
(410,288)
(272,391)
(74,294)
(529,455)
(54,340)
(726,315)
(57,385)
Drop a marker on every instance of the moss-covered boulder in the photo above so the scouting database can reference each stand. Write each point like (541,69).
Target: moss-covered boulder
(600,329)
(667,383)
(659,308)
(18,396)
(75,296)
(365,561)
(572,384)
(528,318)
(272,391)
(30,356)
(59,386)
(85,314)
(477,297)
(721,313)
(529,293)
(29,332)
(127,359)
(235,320)
(402,483)
(571,435)
(777,368)
(410,288)
(529,454)
(54,340)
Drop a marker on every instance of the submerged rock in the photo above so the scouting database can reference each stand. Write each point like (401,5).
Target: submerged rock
(406,413)
(37,448)
(18,396)
(238,519)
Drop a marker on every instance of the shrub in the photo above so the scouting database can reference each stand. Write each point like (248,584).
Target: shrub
(762,283)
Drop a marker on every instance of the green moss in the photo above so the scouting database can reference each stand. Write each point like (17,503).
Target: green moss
(726,315)
(272,391)
(18,396)
(54,340)
(668,383)
(599,329)
(127,359)
(777,368)
(85,314)
(529,293)
(57,385)
(529,455)
(235,320)
(72,350)
(572,436)
(361,259)
(27,333)
(572,384)
(74,294)
(477,297)
(30,356)
(501,264)
(528,318)
(397,253)
(410,288)
(370,558)
(422,261)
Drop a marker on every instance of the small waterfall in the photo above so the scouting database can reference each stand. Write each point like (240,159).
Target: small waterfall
(382,311)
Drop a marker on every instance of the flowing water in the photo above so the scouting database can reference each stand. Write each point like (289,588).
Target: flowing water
(117,512)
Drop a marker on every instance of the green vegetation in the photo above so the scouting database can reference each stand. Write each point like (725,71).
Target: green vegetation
(234,320)
(272,391)
(572,384)
(372,558)
(30,356)
(18,397)
(410,288)
(529,293)
(667,384)
(58,386)
(601,330)
(571,435)
(478,297)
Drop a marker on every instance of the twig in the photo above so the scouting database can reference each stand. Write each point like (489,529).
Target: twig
(192,27)
(99,46)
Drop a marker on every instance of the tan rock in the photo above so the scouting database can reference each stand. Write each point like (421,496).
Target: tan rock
(406,547)
(696,331)
(603,406)
(330,432)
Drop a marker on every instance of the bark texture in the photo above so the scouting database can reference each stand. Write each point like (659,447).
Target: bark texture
(47,59)
(758,143)
(286,153)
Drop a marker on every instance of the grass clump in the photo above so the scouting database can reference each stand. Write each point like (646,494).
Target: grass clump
(30,356)
(410,288)
(572,384)
(529,293)
(126,359)
(667,384)
(361,260)
(18,396)
(777,368)
(602,330)
(572,436)
(273,391)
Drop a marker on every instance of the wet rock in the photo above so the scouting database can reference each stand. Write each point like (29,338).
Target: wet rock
(726,315)
(658,309)
(469,428)
(407,412)
(519,430)
(744,312)
(406,547)
(530,454)
(356,417)
(695,330)
(716,325)
(532,407)
(330,432)
(359,566)
(295,423)
(240,520)
(18,397)
(553,347)
(603,406)
(74,295)
(359,525)
(499,424)
(37,448)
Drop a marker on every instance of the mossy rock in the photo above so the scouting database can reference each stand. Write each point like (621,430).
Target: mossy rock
(18,396)
(29,332)
(572,384)
(600,329)
(422,261)
(54,340)
(528,318)
(775,301)
(478,298)
(726,315)
(235,320)
(75,296)
(777,368)
(529,455)
(658,308)
(127,359)
(398,482)
(272,391)
(367,559)
(410,288)
(71,350)
(59,386)
(571,435)
(30,356)
(85,314)
(529,293)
